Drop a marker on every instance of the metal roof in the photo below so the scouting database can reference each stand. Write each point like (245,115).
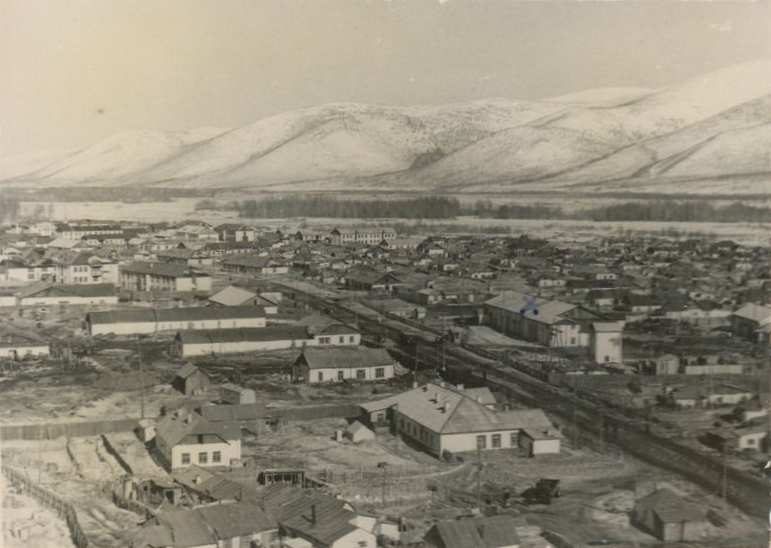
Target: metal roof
(232,296)
(245,334)
(481,532)
(670,508)
(179,314)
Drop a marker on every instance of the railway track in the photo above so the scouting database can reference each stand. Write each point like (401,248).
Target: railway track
(632,436)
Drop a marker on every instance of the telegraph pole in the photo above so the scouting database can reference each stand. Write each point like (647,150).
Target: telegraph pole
(141,380)
(575,415)
(602,432)
(479,476)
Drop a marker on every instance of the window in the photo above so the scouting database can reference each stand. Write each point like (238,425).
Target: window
(380,417)
(216,456)
(325,340)
(361,374)
(340,375)
(351,339)
(341,340)
(496,441)
(514,439)
(751,441)
(572,341)
(481,442)
(321,376)
(203,458)
(380,373)
(607,359)
(185,458)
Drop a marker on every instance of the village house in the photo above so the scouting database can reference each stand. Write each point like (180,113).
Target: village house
(254,264)
(237,395)
(154,320)
(186,256)
(17,343)
(191,380)
(183,438)
(48,294)
(236,296)
(359,364)
(314,520)
(230,232)
(200,232)
(553,323)
(482,531)
(85,268)
(231,524)
(369,236)
(358,433)
(163,277)
(326,331)
(748,322)
(669,517)
(76,232)
(369,279)
(442,419)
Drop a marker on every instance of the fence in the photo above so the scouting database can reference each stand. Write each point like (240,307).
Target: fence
(64,509)
(67,429)
(311,412)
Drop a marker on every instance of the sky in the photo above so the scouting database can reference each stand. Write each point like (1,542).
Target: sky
(76,71)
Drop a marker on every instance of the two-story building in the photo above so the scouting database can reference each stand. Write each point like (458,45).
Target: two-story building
(163,277)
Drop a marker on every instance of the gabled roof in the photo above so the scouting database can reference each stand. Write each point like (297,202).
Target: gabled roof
(178,314)
(480,532)
(446,410)
(177,426)
(332,521)
(755,313)
(11,337)
(188,369)
(346,357)
(671,508)
(232,296)
(548,312)
(245,334)
(164,269)
(45,289)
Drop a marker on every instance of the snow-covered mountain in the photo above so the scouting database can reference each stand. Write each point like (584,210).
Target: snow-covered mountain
(710,128)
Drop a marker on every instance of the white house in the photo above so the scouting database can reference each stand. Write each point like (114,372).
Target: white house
(163,277)
(184,438)
(358,363)
(48,294)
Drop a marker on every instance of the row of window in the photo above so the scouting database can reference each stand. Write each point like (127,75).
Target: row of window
(361,374)
(203,457)
(340,340)
(496,441)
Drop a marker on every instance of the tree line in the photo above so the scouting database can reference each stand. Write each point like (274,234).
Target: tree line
(429,207)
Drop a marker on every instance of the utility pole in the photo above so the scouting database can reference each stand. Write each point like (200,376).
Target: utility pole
(602,432)
(383,485)
(141,380)
(575,415)
(725,471)
(479,476)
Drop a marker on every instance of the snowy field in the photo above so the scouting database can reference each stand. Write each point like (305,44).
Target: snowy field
(181,209)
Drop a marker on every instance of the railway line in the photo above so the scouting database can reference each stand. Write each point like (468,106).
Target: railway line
(631,435)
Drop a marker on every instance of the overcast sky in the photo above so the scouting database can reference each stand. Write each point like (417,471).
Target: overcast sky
(75,71)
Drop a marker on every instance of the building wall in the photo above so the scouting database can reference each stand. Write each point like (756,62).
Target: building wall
(228,451)
(154,327)
(606,347)
(352,339)
(409,428)
(69,299)
(240,347)
(356,539)
(20,351)
(348,373)
(539,447)
(468,442)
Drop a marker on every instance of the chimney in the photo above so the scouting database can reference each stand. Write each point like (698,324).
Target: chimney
(479,399)
(438,397)
(461,388)
(441,384)
(414,384)
(197,480)
(445,407)
(313,514)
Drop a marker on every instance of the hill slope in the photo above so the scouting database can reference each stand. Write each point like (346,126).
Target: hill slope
(711,127)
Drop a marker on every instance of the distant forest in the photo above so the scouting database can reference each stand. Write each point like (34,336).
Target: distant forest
(125,194)
(449,208)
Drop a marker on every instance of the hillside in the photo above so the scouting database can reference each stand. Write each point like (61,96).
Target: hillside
(713,127)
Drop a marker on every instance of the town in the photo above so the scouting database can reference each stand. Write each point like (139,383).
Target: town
(170,385)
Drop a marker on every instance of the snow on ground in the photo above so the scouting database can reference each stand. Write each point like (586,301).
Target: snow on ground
(27,523)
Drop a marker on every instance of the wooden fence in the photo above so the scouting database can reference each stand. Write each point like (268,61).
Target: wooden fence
(67,429)
(311,412)
(64,509)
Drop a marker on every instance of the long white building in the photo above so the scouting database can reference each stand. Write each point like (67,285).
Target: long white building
(145,321)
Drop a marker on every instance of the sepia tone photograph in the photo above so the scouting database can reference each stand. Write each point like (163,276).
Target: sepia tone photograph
(385,273)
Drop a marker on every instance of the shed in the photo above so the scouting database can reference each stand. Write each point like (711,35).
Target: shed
(191,380)
(669,517)
(357,433)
